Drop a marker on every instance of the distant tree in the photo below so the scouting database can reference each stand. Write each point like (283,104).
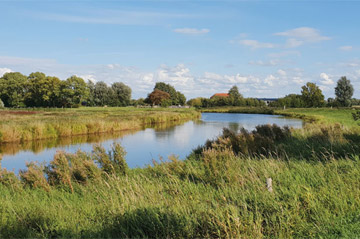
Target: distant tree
(122,94)
(355,101)
(140,101)
(12,89)
(74,91)
(312,95)
(234,92)
(290,101)
(344,91)
(91,98)
(181,98)
(102,94)
(235,96)
(220,101)
(157,96)
(175,96)
(42,90)
(196,102)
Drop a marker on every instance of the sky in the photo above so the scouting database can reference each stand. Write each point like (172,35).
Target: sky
(201,47)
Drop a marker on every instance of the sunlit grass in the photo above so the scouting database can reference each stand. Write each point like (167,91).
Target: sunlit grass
(218,192)
(24,125)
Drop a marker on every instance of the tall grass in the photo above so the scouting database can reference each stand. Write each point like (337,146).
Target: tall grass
(218,192)
(21,126)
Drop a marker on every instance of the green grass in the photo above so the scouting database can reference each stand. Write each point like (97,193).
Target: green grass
(218,192)
(219,195)
(24,125)
(236,109)
(323,115)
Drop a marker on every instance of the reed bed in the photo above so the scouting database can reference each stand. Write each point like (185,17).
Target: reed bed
(219,191)
(20,126)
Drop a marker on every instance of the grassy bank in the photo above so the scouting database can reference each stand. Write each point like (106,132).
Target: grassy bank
(220,191)
(324,116)
(25,125)
(243,110)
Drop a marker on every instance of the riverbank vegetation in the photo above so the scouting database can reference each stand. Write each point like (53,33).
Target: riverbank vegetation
(219,191)
(25,125)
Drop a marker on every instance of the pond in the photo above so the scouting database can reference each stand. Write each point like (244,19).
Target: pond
(143,146)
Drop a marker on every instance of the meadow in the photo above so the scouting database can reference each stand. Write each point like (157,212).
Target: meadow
(26,124)
(219,191)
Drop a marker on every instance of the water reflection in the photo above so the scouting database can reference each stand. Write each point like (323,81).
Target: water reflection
(145,145)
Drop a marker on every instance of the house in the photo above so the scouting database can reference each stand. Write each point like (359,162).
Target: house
(220,95)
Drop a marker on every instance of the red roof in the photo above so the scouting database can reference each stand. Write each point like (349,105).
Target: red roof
(220,95)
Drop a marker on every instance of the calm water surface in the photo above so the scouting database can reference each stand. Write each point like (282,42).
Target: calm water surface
(142,146)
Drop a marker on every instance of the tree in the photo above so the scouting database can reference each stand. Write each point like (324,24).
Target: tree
(312,95)
(196,102)
(1,104)
(91,98)
(73,92)
(12,89)
(235,96)
(122,94)
(344,91)
(157,96)
(175,96)
(42,90)
(102,94)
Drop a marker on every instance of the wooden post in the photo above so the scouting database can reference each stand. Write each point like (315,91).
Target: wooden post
(269,184)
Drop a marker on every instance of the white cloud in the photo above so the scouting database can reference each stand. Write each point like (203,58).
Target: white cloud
(254,44)
(298,80)
(351,63)
(281,72)
(292,43)
(265,63)
(192,31)
(88,77)
(326,79)
(299,36)
(306,33)
(4,70)
(346,48)
(284,54)
(270,80)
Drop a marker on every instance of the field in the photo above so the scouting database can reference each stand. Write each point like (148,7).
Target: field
(220,191)
(26,125)
(324,116)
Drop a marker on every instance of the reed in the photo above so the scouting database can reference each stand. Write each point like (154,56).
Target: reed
(26,125)
(219,191)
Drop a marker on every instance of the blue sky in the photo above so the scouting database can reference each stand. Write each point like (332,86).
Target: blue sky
(266,48)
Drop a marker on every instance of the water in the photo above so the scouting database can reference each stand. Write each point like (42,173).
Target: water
(145,145)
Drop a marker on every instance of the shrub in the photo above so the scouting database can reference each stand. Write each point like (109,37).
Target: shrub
(34,176)
(67,169)
(262,140)
(113,162)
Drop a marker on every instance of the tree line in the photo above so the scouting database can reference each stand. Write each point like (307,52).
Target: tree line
(40,90)
(312,96)
(234,98)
